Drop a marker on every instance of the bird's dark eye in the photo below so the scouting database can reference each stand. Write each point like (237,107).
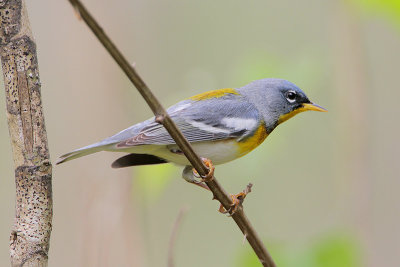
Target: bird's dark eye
(291,96)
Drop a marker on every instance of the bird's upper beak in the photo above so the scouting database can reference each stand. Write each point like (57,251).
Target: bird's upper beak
(312,106)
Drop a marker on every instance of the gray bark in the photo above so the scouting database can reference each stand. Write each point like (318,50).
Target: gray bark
(29,241)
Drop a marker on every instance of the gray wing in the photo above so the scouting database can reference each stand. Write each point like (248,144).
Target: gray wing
(206,120)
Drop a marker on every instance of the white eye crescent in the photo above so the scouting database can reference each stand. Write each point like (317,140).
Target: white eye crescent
(291,96)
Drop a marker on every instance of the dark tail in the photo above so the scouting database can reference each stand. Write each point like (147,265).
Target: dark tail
(137,159)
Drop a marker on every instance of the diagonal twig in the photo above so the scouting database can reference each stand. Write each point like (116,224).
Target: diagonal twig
(162,117)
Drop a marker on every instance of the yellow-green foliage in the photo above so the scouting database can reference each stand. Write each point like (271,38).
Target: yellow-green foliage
(390,9)
(153,179)
(336,250)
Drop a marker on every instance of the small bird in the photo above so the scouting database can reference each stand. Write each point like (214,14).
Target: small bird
(221,125)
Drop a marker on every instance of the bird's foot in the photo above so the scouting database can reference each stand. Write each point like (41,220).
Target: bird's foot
(190,177)
(210,175)
(237,201)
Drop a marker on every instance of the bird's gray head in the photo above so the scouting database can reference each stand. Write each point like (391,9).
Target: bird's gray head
(278,100)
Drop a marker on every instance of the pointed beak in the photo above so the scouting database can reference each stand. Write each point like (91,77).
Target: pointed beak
(303,107)
(312,106)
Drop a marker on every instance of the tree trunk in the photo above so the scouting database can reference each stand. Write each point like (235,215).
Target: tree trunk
(30,236)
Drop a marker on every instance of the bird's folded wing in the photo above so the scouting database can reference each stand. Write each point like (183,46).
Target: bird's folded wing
(202,121)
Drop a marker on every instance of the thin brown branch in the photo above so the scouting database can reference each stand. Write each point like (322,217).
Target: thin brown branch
(162,117)
(30,236)
(174,235)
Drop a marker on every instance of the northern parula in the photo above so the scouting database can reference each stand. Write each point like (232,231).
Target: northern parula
(222,125)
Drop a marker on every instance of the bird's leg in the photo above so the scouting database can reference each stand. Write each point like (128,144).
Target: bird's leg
(237,201)
(189,175)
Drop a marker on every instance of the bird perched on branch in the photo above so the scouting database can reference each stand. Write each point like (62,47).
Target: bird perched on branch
(221,125)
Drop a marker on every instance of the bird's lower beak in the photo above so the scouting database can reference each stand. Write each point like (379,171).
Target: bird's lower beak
(312,106)
(303,107)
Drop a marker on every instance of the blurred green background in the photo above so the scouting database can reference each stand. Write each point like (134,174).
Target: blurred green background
(325,185)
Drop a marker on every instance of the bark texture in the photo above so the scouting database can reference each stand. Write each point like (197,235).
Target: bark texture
(30,236)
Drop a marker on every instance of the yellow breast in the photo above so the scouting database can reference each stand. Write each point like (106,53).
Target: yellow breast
(251,142)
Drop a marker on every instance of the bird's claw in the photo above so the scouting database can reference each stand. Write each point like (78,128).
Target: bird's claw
(210,175)
(237,201)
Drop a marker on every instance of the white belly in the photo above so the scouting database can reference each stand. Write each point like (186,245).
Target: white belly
(218,152)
